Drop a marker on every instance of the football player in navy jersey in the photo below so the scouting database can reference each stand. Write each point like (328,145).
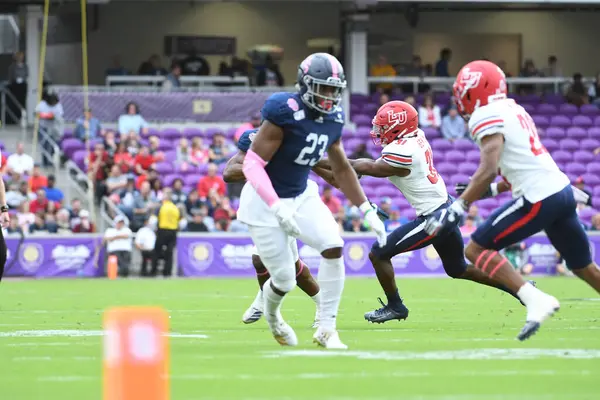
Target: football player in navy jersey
(305,281)
(281,204)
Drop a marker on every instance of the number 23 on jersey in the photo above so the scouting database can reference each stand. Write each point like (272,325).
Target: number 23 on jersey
(313,151)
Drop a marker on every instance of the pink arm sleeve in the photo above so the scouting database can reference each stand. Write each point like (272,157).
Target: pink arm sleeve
(254,170)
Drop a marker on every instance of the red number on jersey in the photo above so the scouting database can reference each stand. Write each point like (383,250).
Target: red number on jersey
(433,174)
(527,123)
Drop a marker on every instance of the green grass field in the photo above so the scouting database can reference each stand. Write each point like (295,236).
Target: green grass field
(458,343)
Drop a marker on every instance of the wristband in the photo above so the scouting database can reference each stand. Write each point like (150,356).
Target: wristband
(365,207)
(494,189)
(4,208)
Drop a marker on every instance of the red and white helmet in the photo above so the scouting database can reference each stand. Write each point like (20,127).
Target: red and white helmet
(394,119)
(477,84)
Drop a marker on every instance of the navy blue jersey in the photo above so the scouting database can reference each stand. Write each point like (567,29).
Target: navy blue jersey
(307,136)
(246,140)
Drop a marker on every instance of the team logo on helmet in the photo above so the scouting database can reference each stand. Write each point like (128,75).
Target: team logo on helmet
(397,117)
(470,78)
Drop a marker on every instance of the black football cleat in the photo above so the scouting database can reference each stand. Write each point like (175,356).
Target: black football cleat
(386,313)
(528,330)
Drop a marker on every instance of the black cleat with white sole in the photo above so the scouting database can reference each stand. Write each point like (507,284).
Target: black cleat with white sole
(528,330)
(387,313)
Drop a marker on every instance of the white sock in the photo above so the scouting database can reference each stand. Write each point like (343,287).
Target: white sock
(317,299)
(272,304)
(527,293)
(258,300)
(331,280)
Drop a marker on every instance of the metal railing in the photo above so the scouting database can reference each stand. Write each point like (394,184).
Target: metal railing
(157,80)
(46,142)
(108,211)
(6,94)
(556,83)
(154,89)
(78,179)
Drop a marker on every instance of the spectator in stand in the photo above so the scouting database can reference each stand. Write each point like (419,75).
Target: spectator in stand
(152,67)
(97,164)
(179,197)
(39,224)
(18,73)
(253,123)
(88,127)
(429,113)
(218,152)
(132,142)
(528,71)
(361,152)
(154,148)
(144,205)
(84,225)
(37,180)
(63,226)
(116,181)
(184,154)
(19,162)
(195,65)
(355,223)
(580,184)
(442,67)
(74,211)
(269,75)
(594,91)
(383,98)
(211,181)
(553,69)
(395,221)
(110,143)
(410,100)
(383,69)
(453,126)
(151,177)
(25,216)
(333,203)
(52,193)
(238,227)
(172,82)
(157,189)
(118,243)
(122,158)
(132,121)
(145,239)
(14,198)
(577,93)
(14,227)
(595,223)
(144,161)
(42,204)
(50,113)
(200,154)
(51,224)
(127,198)
(197,223)
(117,68)
(193,202)
(469,226)
(474,214)
(224,212)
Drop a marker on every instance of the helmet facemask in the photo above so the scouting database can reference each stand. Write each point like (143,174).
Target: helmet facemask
(323,95)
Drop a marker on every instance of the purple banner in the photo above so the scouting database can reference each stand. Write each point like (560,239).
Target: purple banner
(173,107)
(54,256)
(227,256)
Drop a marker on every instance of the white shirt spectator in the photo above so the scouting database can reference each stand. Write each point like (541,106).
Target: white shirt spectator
(129,123)
(121,244)
(432,117)
(20,163)
(145,239)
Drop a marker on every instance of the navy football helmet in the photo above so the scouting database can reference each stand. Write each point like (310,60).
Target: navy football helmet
(321,81)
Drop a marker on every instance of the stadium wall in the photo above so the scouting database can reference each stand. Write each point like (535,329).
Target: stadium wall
(135,32)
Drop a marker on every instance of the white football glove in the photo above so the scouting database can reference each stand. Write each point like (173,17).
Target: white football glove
(285,217)
(371,217)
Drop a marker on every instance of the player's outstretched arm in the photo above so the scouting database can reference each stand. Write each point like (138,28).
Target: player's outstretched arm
(491,149)
(233,170)
(377,168)
(326,175)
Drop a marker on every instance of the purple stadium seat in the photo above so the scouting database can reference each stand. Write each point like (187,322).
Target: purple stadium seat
(447,169)
(546,109)
(440,144)
(191,180)
(230,133)
(191,133)
(169,179)
(459,178)
(363,133)
(409,213)
(96,141)
(170,133)
(587,213)
(594,133)
(438,157)
(467,168)
(165,145)
(591,179)
(150,132)
(164,168)
(583,156)
(473,156)
(576,132)
(541,121)
(572,177)
(79,158)
(170,155)
(555,133)
(464,145)
(352,144)
(455,156)
(550,144)
(362,120)
(554,98)
(188,188)
(347,132)
(582,120)
(370,192)
(589,109)
(530,108)
(593,168)
(575,168)
(596,201)
(530,98)
(569,144)
(562,156)
(370,108)
(568,109)
(560,120)
(431,133)
(590,144)
(596,192)
(70,146)
(386,190)
(355,108)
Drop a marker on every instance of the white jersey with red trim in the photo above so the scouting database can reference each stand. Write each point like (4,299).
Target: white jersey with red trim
(424,188)
(524,163)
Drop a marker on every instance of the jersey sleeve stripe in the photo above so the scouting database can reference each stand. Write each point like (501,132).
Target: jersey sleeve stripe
(485,124)
(493,128)
(397,159)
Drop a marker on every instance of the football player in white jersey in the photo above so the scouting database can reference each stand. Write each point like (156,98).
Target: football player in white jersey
(407,161)
(542,196)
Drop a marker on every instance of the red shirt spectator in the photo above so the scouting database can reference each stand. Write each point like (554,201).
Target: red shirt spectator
(143,161)
(97,162)
(123,159)
(41,203)
(211,181)
(37,181)
(84,225)
(333,203)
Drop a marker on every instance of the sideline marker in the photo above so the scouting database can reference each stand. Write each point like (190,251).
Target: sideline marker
(136,354)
